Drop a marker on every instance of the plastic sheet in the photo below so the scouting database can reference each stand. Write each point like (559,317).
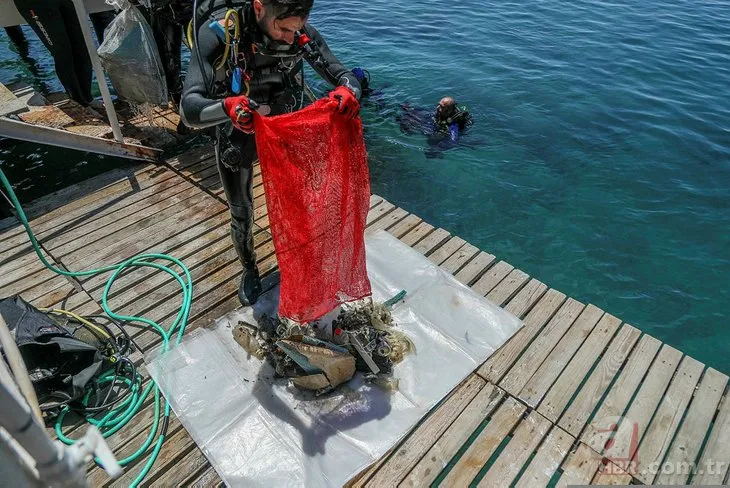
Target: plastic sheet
(130,58)
(257,431)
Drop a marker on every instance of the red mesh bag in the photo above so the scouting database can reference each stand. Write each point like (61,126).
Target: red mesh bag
(315,174)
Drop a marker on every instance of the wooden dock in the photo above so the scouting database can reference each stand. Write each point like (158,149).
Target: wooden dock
(575,397)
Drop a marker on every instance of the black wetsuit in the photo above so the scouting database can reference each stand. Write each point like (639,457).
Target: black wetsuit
(273,83)
(56,24)
(169,20)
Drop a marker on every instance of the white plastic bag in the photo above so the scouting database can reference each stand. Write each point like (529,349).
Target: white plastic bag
(257,431)
(130,57)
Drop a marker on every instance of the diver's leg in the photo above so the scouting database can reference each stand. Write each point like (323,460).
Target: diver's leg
(168,37)
(80,61)
(46,19)
(15,34)
(101,21)
(238,186)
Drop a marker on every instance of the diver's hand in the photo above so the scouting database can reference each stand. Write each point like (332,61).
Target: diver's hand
(240,109)
(347,102)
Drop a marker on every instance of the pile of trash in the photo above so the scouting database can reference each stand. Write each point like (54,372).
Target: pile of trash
(320,356)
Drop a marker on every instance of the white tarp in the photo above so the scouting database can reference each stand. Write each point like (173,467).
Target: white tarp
(257,431)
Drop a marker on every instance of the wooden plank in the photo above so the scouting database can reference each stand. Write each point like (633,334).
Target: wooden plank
(431,241)
(580,409)
(84,234)
(378,211)
(715,461)
(518,376)
(492,277)
(540,382)
(35,285)
(48,116)
(686,446)
(557,398)
(418,233)
(78,194)
(166,220)
(190,465)
(459,258)
(375,200)
(176,446)
(526,298)
(420,441)
(191,157)
(144,235)
(547,460)
(632,427)
(479,452)
(497,365)
(527,437)
(109,196)
(508,287)
(611,475)
(119,206)
(112,199)
(364,476)
(405,226)
(446,250)
(580,467)
(181,245)
(660,433)
(387,221)
(207,479)
(475,268)
(152,293)
(210,235)
(98,477)
(200,264)
(207,293)
(623,389)
(438,457)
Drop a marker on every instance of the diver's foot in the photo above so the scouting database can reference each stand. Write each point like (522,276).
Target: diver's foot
(97,105)
(250,288)
(182,129)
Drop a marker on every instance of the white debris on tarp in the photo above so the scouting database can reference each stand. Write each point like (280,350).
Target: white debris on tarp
(258,431)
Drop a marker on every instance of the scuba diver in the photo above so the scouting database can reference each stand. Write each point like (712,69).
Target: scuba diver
(442,127)
(248,55)
(451,118)
(169,19)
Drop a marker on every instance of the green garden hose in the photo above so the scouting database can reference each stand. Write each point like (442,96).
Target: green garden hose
(117,417)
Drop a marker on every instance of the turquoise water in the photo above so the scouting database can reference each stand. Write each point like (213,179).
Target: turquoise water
(600,158)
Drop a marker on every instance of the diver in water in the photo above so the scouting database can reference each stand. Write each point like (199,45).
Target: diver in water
(450,118)
(442,127)
(256,65)
(447,121)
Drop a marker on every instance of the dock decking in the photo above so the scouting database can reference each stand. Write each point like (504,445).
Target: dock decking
(538,412)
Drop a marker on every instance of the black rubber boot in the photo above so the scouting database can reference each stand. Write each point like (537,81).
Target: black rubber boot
(250,288)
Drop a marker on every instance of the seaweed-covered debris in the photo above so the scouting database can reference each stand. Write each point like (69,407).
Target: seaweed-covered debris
(363,338)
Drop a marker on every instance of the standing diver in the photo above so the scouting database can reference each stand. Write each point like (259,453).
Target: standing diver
(247,56)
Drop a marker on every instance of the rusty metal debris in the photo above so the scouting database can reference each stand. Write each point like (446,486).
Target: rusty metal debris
(321,357)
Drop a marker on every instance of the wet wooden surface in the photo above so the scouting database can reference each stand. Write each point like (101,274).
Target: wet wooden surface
(575,396)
